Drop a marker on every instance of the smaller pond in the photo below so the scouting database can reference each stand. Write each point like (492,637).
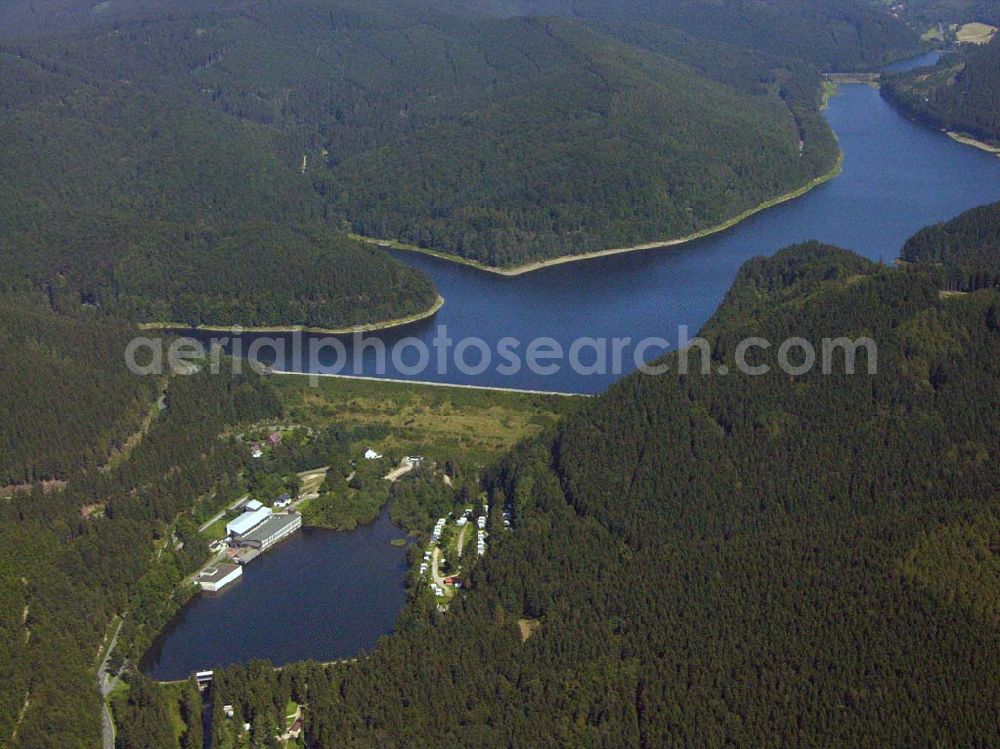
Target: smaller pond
(926,60)
(319,595)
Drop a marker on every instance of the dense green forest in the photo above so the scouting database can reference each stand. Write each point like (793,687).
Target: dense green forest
(926,12)
(725,560)
(108,542)
(261,274)
(966,248)
(693,582)
(612,145)
(961,94)
(67,399)
(832,34)
(130,192)
(176,134)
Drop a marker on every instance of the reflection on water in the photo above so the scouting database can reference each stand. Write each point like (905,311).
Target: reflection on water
(320,595)
(897,178)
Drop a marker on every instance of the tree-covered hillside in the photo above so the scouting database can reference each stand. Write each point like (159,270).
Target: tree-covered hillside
(75,557)
(952,11)
(961,94)
(67,398)
(729,559)
(125,191)
(607,146)
(966,248)
(833,34)
(502,140)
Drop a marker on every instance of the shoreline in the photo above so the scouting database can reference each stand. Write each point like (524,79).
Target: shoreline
(398,381)
(967,140)
(364,328)
(530,267)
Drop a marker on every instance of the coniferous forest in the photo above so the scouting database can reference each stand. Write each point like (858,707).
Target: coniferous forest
(696,560)
(76,556)
(129,195)
(953,11)
(831,34)
(160,137)
(713,560)
(67,399)
(961,94)
(706,559)
(965,248)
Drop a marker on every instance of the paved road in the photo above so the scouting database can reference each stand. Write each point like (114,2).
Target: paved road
(203,526)
(449,592)
(401,470)
(106,683)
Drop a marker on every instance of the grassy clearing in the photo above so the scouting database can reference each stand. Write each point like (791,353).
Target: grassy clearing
(933,34)
(829,91)
(975,33)
(312,481)
(449,542)
(528,627)
(119,691)
(473,427)
(291,713)
(172,696)
(217,529)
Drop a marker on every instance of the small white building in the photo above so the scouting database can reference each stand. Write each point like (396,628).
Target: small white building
(372,455)
(214,579)
(252,506)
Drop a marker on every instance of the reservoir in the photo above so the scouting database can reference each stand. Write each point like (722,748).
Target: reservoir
(325,595)
(897,178)
(319,595)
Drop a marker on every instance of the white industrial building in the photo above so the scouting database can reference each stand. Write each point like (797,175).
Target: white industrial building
(274,529)
(247,521)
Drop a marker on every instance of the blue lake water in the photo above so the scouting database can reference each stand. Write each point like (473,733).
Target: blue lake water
(897,178)
(926,60)
(320,594)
